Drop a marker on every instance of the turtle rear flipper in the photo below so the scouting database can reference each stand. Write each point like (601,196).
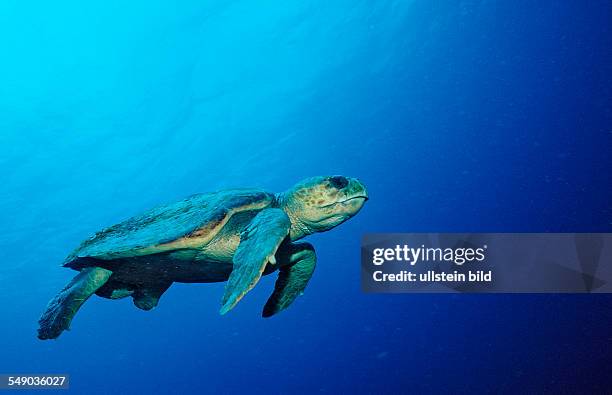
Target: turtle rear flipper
(67,302)
(258,245)
(146,298)
(115,290)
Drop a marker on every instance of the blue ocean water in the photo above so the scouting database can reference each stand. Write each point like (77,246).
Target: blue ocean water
(457,115)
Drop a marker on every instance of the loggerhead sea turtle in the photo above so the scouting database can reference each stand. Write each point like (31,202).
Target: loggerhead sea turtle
(233,235)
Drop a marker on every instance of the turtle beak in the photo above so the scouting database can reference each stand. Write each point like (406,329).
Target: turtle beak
(356,189)
(356,195)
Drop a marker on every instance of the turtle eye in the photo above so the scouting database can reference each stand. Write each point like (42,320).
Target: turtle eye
(338,182)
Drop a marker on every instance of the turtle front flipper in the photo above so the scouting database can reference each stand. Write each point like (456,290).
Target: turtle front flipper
(65,305)
(258,245)
(292,278)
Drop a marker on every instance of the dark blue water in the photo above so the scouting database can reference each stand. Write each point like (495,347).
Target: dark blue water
(458,116)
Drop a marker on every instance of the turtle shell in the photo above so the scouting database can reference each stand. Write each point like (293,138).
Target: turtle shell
(189,223)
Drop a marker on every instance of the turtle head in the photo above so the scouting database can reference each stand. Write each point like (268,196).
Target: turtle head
(319,204)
